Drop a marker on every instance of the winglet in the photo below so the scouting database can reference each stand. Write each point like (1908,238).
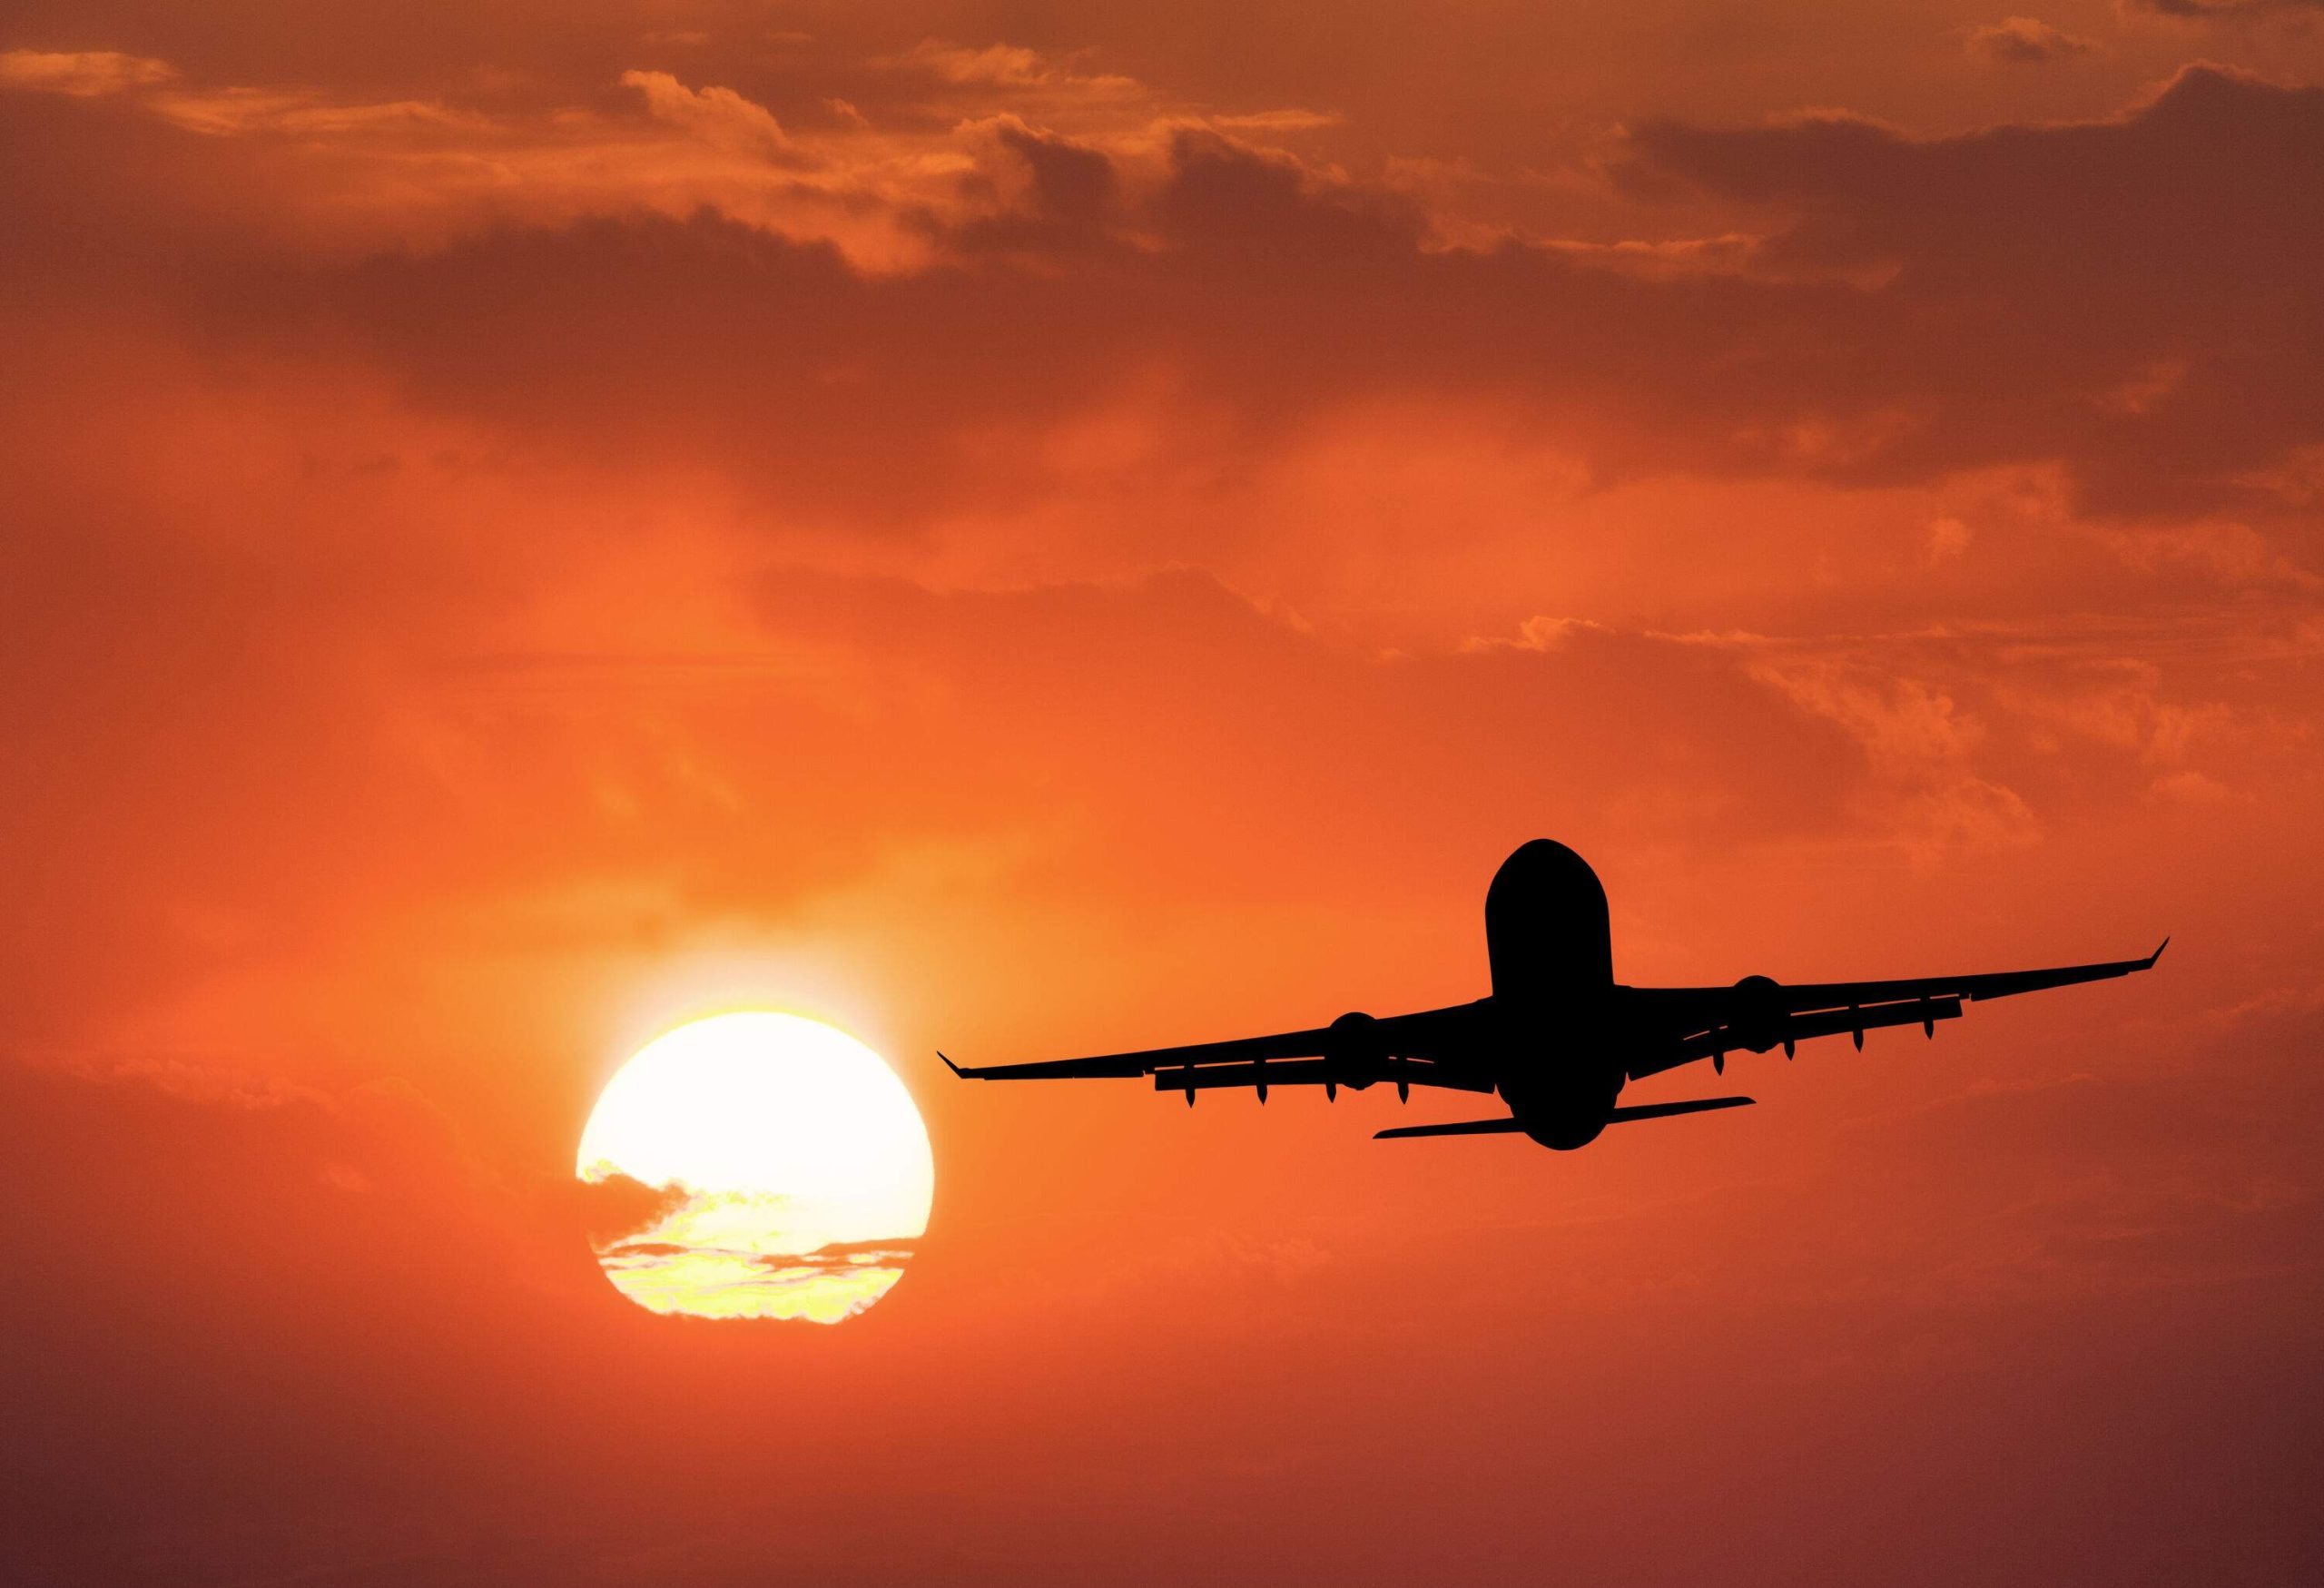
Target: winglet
(2157,954)
(951,1066)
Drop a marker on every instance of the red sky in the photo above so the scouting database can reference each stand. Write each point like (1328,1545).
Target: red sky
(1041,528)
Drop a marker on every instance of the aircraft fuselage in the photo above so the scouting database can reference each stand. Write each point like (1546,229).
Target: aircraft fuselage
(1550,945)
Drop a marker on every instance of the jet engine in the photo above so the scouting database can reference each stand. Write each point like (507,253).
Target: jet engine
(1760,1016)
(1355,1051)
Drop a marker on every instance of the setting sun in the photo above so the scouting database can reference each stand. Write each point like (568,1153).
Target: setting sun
(792,1168)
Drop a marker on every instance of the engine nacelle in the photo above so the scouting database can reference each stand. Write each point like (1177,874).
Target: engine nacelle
(1759,1015)
(1356,1050)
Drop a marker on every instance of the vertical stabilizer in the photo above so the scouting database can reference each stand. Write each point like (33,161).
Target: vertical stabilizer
(1546,928)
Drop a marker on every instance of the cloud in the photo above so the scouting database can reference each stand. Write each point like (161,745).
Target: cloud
(1011,66)
(2209,10)
(82,74)
(717,116)
(1871,312)
(611,1205)
(249,111)
(1050,197)
(1242,271)
(1864,337)
(1288,120)
(2104,245)
(1003,63)
(2026,41)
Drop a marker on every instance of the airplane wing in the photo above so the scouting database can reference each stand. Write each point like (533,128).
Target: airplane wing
(1686,1023)
(1436,1047)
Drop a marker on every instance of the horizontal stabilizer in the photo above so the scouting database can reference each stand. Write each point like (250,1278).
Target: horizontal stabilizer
(1458,1127)
(1664,1110)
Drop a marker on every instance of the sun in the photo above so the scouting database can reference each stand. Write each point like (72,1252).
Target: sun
(756,1165)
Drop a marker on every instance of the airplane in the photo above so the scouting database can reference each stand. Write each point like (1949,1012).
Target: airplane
(1558,1038)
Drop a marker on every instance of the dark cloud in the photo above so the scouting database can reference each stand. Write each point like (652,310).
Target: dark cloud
(2026,41)
(1072,199)
(2205,10)
(2134,298)
(616,1206)
(2131,296)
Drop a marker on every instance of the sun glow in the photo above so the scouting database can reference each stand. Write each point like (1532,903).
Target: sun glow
(780,1167)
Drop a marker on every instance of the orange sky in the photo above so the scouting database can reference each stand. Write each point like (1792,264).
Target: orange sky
(1042,528)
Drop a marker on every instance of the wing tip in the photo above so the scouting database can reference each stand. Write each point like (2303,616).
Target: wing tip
(2157,954)
(955,1069)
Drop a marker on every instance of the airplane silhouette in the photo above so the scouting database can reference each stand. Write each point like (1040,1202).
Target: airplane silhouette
(1558,1037)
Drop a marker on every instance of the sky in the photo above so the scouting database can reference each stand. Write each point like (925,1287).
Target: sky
(1036,529)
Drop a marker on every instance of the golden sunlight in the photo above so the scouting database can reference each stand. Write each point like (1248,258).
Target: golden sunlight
(779,1169)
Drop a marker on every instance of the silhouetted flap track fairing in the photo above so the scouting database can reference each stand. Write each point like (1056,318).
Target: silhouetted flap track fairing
(1559,1038)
